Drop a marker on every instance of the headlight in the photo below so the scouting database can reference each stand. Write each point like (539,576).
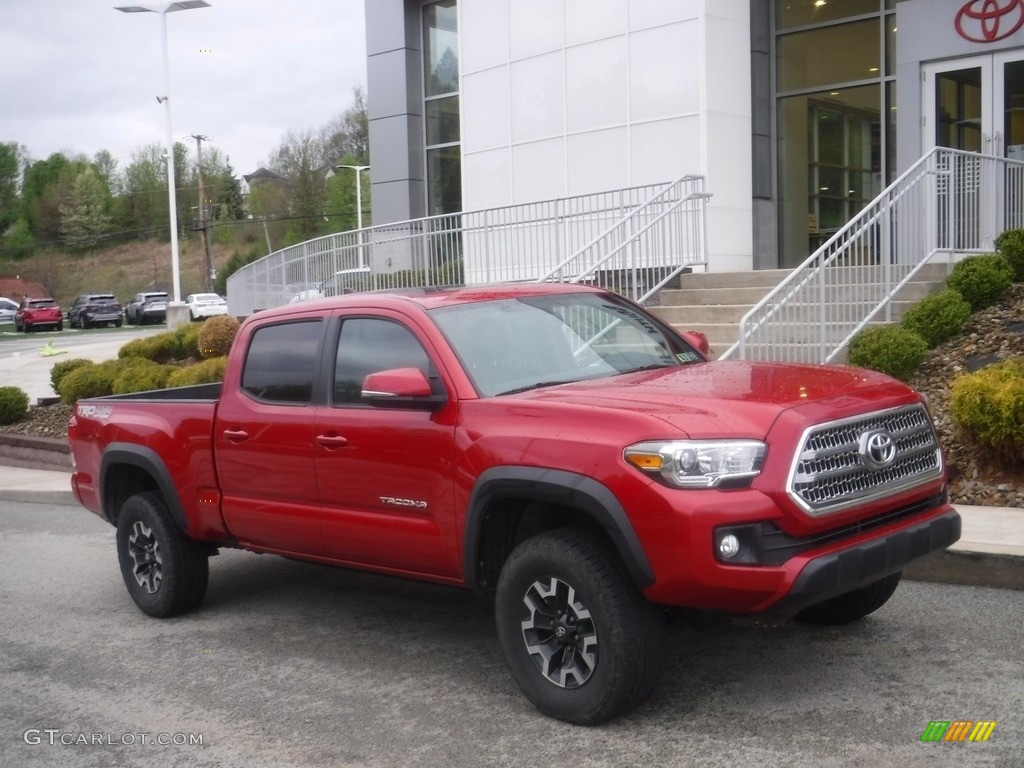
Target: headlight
(698,463)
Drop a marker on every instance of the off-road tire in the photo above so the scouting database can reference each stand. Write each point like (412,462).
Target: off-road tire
(166,572)
(853,605)
(612,643)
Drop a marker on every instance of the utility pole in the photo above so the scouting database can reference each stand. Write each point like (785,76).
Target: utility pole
(202,216)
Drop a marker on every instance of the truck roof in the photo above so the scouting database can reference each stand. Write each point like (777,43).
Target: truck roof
(433,298)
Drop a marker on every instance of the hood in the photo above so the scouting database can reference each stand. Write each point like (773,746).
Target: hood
(734,398)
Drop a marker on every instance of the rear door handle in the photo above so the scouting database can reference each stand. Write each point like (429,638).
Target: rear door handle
(331,441)
(236,435)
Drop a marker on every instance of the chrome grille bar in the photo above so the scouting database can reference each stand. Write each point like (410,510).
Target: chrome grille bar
(832,471)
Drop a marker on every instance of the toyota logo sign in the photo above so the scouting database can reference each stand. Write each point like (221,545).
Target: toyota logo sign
(986,21)
(877,449)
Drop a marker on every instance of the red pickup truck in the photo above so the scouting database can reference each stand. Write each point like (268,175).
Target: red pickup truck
(554,447)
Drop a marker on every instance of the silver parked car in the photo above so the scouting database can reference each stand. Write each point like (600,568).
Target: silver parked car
(7,309)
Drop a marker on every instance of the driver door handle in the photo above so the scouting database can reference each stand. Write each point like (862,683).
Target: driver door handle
(331,441)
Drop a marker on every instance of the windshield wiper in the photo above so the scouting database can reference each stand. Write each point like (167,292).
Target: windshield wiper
(538,385)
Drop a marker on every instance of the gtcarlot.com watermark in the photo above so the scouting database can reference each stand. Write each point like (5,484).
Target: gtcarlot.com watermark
(35,736)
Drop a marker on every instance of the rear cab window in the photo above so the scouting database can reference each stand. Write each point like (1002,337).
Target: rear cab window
(282,361)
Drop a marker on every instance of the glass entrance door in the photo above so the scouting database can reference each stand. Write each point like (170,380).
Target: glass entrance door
(976,104)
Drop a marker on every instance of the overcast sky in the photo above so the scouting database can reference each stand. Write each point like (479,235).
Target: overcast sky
(76,76)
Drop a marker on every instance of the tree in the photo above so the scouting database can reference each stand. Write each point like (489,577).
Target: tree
(12,161)
(346,139)
(143,205)
(301,163)
(84,214)
(106,165)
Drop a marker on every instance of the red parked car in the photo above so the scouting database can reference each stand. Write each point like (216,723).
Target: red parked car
(38,313)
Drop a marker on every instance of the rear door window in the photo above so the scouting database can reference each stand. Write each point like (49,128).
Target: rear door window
(281,363)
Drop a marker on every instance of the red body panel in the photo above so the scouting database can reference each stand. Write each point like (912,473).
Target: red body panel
(390,490)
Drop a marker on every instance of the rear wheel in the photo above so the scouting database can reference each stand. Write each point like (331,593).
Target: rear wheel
(166,572)
(853,605)
(579,638)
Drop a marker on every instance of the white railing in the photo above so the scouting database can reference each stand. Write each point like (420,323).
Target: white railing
(630,237)
(948,204)
(647,248)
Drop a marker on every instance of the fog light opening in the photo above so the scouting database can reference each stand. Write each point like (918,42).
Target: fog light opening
(729,546)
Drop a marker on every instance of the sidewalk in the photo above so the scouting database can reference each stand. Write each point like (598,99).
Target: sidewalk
(990,552)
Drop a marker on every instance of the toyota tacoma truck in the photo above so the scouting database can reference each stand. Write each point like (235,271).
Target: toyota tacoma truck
(554,447)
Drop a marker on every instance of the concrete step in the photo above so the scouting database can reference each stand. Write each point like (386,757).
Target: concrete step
(733,313)
(35,452)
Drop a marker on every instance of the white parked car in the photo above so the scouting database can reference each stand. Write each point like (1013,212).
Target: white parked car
(202,305)
(7,310)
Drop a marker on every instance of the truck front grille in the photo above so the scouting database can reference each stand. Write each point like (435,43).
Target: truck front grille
(851,461)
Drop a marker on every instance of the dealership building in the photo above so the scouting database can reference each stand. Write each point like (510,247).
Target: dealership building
(796,112)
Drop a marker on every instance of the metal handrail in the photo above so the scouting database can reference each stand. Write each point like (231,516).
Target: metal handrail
(947,204)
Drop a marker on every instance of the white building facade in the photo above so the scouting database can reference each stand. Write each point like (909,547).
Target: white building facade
(797,112)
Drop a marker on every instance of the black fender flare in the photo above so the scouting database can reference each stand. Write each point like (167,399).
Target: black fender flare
(558,487)
(150,461)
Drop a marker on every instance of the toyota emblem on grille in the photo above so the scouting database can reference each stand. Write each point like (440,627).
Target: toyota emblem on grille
(877,449)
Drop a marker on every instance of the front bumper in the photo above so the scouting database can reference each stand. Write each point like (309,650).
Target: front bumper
(857,566)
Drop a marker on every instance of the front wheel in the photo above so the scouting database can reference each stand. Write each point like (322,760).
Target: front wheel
(853,605)
(166,572)
(579,638)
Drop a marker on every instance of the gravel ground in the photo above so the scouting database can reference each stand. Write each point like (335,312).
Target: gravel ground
(977,477)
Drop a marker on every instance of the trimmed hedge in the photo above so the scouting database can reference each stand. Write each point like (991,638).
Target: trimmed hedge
(989,407)
(13,404)
(981,280)
(1010,245)
(206,372)
(63,368)
(937,317)
(888,349)
(216,336)
(141,376)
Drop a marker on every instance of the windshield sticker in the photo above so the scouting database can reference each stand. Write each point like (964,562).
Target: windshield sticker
(688,357)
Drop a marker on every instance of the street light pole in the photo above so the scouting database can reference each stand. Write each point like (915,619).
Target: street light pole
(163,9)
(359,192)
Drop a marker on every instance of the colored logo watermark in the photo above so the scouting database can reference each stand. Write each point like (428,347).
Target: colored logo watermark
(958,730)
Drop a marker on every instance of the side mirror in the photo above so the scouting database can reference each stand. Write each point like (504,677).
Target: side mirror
(697,340)
(401,388)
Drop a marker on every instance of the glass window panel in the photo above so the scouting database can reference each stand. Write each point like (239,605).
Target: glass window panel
(958,103)
(1013,104)
(443,120)
(829,55)
(444,180)
(832,214)
(830,137)
(280,365)
(890,44)
(830,182)
(860,187)
(441,48)
(799,13)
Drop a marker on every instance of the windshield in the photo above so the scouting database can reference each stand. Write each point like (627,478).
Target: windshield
(513,345)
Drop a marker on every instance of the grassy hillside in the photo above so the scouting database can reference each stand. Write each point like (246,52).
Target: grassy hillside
(128,268)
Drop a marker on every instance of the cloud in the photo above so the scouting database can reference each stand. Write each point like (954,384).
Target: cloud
(78,76)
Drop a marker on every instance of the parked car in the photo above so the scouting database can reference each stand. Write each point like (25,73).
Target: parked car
(38,313)
(343,281)
(202,305)
(147,307)
(91,309)
(7,309)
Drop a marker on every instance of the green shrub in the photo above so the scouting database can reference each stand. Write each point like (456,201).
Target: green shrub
(989,407)
(162,348)
(889,349)
(63,368)
(937,317)
(141,377)
(188,340)
(206,372)
(94,380)
(13,404)
(981,280)
(1010,245)
(216,335)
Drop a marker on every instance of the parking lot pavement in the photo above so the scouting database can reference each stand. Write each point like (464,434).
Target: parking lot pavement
(293,664)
